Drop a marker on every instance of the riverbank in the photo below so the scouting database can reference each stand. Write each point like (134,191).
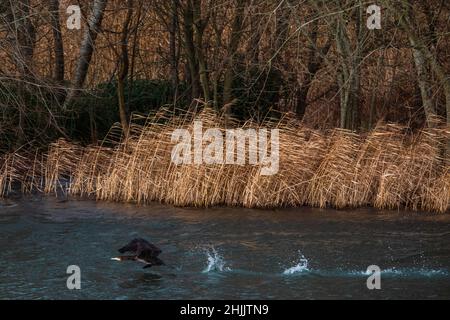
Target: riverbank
(388,168)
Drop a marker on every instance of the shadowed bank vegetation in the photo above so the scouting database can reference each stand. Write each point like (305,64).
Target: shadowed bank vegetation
(315,58)
(389,167)
(364,113)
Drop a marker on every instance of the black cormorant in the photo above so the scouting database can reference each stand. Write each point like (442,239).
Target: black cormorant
(143,251)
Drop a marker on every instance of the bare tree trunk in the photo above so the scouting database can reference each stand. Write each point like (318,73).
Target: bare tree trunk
(315,60)
(344,72)
(439,71)
(87,48)
(282,15)
(173,48)
(216,76)
(407,23)
(255,35)
(199,28)
(317,57)
(188,28)
(57,41)
(23,36)
(236,35)
(349,72)
(134,48)
(443,78)
(421,68)
(357,62)
(123,69)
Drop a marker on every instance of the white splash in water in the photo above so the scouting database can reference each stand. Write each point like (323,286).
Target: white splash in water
(301,266)
(215,261)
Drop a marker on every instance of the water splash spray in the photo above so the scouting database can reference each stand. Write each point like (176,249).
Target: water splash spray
(301,266)
(215,261)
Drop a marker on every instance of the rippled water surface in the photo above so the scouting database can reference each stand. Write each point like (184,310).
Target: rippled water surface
(220,253)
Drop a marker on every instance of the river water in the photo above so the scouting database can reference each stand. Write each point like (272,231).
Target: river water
(220,253)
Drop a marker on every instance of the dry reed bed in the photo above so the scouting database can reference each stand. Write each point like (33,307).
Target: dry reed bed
(386,168)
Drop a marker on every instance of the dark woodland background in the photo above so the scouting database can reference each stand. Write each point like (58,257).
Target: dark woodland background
(249,59)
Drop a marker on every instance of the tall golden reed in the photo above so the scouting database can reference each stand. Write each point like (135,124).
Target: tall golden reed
(389,167)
